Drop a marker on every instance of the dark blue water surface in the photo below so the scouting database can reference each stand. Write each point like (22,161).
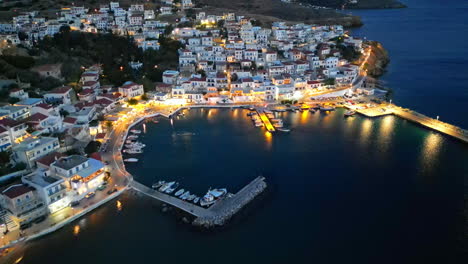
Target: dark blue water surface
(427,43)
(343,190)
(353,190)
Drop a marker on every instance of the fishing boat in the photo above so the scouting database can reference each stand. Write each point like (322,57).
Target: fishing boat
(212,196)
(172,188)
(132,137)
(166,186)
(349,113)
(157,184)
(327,108)
(179,192)
(133,151)
(311,110)
(131,160)
(185,195)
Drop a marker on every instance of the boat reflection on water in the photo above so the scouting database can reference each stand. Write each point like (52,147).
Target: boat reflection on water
(119,205)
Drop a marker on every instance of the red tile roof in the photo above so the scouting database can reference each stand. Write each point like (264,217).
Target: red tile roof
(60,90)
(69,120)
(17,190)
(50,158)
(44,106)
(36,118)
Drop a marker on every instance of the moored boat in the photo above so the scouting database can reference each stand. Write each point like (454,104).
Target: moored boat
(131,160)
(135,131)
(196,200)
(212,196)
(179,192)
(283,129)
(327,108)
(157,184)
(349,113)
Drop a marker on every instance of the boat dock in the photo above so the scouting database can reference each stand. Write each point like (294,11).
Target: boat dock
(266,121)
(218,213)
(190,208)
(407,114)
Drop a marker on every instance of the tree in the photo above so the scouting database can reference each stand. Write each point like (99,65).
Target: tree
(329,81)
(22,62)
(109,125)
(4,157)
(92,147)
(64,113)
(144,97)
(13,100)
(132,101)
(71,70)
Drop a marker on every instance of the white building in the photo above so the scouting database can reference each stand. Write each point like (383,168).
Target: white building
(31,149)
(80,174)
(51,189)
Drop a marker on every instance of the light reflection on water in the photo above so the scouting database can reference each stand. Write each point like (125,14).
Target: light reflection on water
(430,152)
(366,131)
(387,126)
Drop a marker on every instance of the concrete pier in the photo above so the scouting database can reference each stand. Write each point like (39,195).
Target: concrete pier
(188,207)
(268,125)
(216,215)
(413,116)
(224,209)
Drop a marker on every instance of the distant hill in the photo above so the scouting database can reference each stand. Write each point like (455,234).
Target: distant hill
(273,10)
(356,4)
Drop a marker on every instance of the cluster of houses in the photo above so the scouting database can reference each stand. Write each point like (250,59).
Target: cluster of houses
(135,20)
(30,129)
(245,62)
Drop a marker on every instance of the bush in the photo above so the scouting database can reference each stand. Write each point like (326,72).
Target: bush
(22,62)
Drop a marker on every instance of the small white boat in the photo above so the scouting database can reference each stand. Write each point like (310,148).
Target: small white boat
(131,160)
(166,186)
(158,184)
(132,137)
(191,197)
(185,195)
(196,200)
(133,151)
(179,192)
(135,131)
(283,129)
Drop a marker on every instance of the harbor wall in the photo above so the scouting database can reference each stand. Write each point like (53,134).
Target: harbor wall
(223,210)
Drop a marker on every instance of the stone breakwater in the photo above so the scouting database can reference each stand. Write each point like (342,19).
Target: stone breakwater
(224,209)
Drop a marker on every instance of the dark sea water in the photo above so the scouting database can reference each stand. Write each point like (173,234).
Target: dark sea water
(353,190)
(427,43)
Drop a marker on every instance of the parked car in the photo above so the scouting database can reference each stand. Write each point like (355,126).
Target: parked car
(112,191)
(101,187)
(90,195)
(74,203)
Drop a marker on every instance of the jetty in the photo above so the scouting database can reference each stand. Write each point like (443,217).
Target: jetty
(216,215)
(266,121)
(415,117)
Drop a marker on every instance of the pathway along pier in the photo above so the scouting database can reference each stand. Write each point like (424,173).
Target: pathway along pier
(413,116)
(216,215)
